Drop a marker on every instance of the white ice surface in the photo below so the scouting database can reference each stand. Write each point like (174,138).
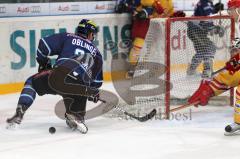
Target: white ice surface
(199,138)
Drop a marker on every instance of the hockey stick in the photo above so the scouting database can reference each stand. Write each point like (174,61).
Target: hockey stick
(220,70)
(190,104)
(141,119)
(183,106)
(220,13)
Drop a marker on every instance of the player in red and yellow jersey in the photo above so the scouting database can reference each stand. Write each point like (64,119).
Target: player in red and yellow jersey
(227,79)
(146,10)
(222,82)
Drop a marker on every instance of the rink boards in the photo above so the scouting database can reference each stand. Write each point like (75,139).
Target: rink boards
(19,40)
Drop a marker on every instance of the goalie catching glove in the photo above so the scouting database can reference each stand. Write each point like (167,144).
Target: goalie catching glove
(202,95)
(218,7)
(233,65)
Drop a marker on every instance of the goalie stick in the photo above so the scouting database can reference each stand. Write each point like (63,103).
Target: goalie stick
(141,119)
(183,106)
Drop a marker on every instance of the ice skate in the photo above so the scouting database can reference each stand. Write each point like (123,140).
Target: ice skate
(207,74)
(14,121)
(192,74)
(232,129)
(76,122)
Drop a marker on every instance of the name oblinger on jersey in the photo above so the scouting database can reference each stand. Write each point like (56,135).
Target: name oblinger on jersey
(83,44)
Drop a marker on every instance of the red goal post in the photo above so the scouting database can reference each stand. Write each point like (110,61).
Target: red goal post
(161,78)
(169,25)
(172,43)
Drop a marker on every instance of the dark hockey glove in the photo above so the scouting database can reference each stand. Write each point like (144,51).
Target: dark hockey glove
(44,65)
(218,7)
(122,8)
(141,15)
(94,97)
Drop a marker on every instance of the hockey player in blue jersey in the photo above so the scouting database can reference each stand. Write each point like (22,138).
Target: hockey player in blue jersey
(67,47)
(198,32)
(204,8)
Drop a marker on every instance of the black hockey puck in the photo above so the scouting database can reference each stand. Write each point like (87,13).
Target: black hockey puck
(52,130)
(228,128)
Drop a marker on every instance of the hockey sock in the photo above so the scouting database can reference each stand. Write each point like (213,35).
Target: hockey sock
(27,96)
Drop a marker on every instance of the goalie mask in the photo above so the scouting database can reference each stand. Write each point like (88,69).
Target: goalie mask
(86,27)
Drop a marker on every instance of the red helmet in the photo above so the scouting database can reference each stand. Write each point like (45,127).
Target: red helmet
(234,3)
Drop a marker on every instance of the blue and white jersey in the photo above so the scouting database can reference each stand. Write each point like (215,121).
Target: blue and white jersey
(204,8)
(69,46)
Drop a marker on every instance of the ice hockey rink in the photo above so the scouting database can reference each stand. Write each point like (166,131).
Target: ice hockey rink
(200,135)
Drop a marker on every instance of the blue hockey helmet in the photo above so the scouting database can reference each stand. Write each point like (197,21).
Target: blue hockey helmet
(86,26)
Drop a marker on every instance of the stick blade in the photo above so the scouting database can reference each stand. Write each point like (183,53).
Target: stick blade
(148,116)
(143,118)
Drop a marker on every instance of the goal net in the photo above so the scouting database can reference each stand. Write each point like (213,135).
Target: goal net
(177,54)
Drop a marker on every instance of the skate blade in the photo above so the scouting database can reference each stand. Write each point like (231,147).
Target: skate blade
(235,133)
(12,126)
(82,128)
(71,124)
